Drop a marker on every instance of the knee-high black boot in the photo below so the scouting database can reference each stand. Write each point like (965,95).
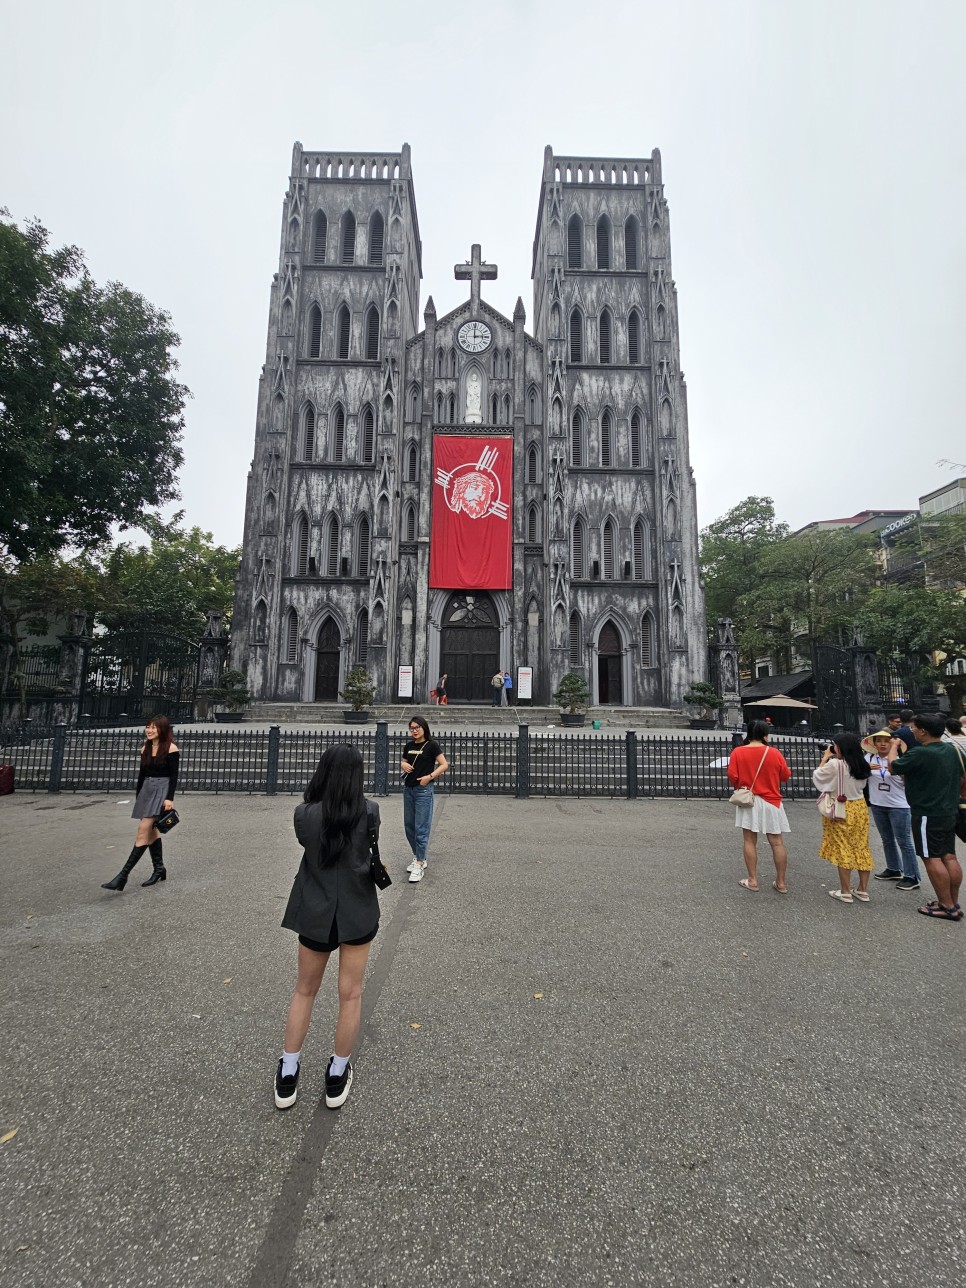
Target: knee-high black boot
(159,873)
(120,881)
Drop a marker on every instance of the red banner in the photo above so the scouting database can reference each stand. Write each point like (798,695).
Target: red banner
(471,547)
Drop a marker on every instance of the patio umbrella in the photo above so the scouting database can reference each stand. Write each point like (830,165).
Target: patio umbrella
(780,700)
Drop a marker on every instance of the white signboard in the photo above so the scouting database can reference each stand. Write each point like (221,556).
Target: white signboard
(405,682)
(524,683)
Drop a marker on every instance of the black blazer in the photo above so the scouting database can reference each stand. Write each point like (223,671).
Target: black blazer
(342,891)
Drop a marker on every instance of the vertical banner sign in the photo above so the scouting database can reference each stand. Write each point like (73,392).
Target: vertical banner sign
(471,547)
(405,682)
(524,683)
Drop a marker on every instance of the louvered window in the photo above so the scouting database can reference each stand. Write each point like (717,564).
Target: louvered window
(605,336)
(368,435)
(632,243)
(344,330)
(348,255)
(636,437)
(634,338)
(494,410)
(411,523)
(308,434)
(638,551)
(606,440)
(319,232)
(576,336)
(533,466)
(376,229)
(302,547)
(608,550)
(577,440)
(575,237)
(372,335)
(577,550)
(532,525)
(647,640)
(439,409)
(603,243)
(362,548)
(362,638)
(291,636)
(412,461)
(332,547)
(338,435)
(315,331)
(452,409)
(575,639)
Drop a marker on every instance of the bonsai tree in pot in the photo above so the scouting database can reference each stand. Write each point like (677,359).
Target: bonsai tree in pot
(702,696)
(359,692)
(573,695)
(232,695)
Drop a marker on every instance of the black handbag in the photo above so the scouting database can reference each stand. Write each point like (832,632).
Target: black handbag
(166,821)
(377,869)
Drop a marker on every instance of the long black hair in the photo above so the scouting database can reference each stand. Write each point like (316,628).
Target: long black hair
(758,731)
(337,786)
(850,750)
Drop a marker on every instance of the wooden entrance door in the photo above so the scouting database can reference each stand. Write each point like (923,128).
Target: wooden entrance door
(469,647)
(610,679)
(328,652)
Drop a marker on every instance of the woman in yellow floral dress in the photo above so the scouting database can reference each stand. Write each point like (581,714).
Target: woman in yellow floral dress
(843,771)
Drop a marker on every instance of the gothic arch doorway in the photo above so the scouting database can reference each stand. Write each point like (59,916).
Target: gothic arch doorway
(328,653)
(610,682)
(469,646)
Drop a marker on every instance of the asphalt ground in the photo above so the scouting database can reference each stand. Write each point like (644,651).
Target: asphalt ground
(588,1057)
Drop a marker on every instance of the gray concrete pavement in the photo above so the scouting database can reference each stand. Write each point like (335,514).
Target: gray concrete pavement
(587,1056)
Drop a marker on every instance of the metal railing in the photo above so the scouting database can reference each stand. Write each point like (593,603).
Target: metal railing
(519,763)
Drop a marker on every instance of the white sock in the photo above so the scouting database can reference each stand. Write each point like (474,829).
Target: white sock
(337,1067)
(290,1063)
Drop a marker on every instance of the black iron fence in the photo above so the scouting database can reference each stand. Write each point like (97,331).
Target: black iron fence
(518,763)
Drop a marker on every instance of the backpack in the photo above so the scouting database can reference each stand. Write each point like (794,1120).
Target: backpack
(497,682)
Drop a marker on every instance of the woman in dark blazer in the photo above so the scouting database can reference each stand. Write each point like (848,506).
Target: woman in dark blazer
(333,905)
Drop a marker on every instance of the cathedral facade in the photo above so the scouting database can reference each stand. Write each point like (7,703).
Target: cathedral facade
(471,496)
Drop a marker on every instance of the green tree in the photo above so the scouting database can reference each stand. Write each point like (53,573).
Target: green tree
(916,622)
(732,550)
(91,415)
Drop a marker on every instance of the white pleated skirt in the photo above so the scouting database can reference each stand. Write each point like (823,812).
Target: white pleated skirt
(762,817)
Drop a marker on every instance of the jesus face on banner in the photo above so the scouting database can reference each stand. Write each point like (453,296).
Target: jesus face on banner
(472,494)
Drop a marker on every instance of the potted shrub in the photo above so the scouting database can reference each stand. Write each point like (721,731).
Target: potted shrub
(359,692)
(703,697)
(232,696)
(573,695)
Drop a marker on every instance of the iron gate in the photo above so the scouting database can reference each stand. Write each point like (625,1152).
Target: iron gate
(126,678)
(834,687)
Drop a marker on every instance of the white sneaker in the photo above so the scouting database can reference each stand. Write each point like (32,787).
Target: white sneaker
(418,872)
(412,866)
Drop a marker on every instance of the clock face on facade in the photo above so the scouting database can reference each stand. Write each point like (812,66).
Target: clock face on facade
(474,336)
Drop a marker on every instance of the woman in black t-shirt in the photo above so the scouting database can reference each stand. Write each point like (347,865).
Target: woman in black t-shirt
(422,763)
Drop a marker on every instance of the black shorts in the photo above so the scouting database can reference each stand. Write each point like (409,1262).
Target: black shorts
(934,835)
(334,941)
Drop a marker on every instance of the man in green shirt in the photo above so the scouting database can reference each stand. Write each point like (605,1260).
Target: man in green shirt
(934,779)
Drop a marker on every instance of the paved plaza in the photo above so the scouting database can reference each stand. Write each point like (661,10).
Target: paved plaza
(588,1057)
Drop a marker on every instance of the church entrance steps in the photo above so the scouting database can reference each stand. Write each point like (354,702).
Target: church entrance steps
(463,715)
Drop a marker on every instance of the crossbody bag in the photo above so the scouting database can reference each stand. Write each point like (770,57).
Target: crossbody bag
(744,797)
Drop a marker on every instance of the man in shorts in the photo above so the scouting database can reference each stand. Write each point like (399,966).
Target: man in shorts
(933,777)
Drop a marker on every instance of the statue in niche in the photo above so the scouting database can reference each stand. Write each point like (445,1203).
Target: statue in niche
(474,399)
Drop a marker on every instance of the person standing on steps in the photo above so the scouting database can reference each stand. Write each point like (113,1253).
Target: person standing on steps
(423,763)
(496,683)
(157,782)
(333,906)
(507,688)
(442,698)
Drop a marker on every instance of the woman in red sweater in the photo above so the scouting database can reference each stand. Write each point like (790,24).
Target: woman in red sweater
(762,768)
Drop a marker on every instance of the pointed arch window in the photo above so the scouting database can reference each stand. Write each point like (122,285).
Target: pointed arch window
(575,633)
(410,526)
(301,546)
(315,332)
(507,410)
(533,464)
(577,439)
(413,403)
(494,410)
(604,240)
(439,409)
(508,364)
(606,440)
(320,229)
(368,435)
(343,331)
(608,549)
(661,322)
(634,338)
(533,525)
(308,433)
(451,364)
(372,333)
(578,544)
(576,336)
(451,409)
(647,640)
(362,547)
(332,546)
(497,364)
(532,417)
(632,244)
(260,624)
(605,336)
(637,440)
(362,638)
(338,434)
(348,240)
(376,238)
(291,636)
(575,242)
(439,362)
(640,551)
(412,463)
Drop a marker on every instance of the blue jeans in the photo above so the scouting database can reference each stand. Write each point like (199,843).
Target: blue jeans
(418,819)
(895,828)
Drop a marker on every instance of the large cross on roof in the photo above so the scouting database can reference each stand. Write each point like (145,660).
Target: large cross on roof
(474,270)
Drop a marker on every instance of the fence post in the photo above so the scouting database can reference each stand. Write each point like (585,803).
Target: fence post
(381,784)
(523,762)
(631,762)
(271,774)
(57,756)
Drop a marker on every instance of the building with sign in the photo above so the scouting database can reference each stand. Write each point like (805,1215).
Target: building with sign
(471,496)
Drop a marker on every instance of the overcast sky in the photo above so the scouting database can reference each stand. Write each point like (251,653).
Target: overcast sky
(813,161)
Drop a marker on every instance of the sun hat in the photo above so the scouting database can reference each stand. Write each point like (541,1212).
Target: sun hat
(868,743)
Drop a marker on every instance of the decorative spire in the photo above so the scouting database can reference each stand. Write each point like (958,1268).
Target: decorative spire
(430,310)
